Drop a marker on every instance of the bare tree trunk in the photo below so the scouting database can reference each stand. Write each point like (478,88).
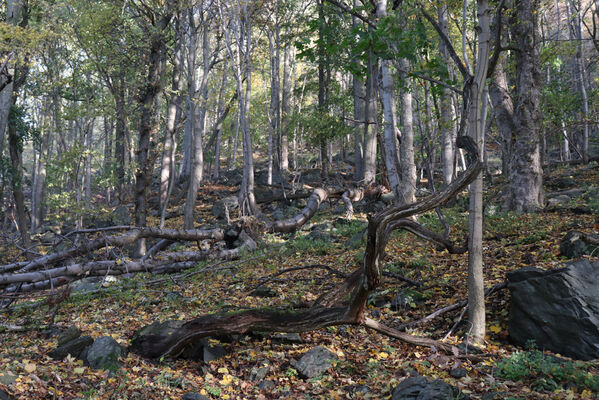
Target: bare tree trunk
(390,117)
(369,156)
(173,116)
(525,191)
(285,107)
(197,170)
(148,123)
(406,157)
(504,110)
(107,162)
(476,294)
(89,131)
(447,123)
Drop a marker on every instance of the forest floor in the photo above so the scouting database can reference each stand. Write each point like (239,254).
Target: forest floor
(369,365)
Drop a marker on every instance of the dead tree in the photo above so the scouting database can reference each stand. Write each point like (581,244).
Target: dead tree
(328,310)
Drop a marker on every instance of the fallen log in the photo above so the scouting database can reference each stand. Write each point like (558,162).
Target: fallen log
(364,279)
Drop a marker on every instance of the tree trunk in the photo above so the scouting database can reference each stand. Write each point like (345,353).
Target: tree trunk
(476,295)
(173,115)
(390,117)
(148,124)
(406,158)
(447,123)
(525,191)
(285,107)
(370,116)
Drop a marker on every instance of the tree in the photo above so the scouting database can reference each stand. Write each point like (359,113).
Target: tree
(154,23)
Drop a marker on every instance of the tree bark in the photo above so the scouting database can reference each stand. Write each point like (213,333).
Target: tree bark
(406,157)
(148,123)
(525,191)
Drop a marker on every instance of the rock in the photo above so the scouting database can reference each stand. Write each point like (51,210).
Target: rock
(287,338)
(266,385)
(4,395)
(165,328)
(121,216)
(354,390)
(356,241)
(213,351)
(231,203)
(278,215)
(319,236)
(194,396)
(71,333)
(259,372)
(315,362)
(263,291)
(7,378)
(420,388)
(558,200)
(458,373)
(557,309)
(562,182)
(591,194)
(88,284)
(74,348)
(576,244)
(104,353)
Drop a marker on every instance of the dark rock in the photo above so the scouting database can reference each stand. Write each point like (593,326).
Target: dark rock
(287,338)
(354,390)
(266,385)
(104,353)
(495,396)
(71,333)
(121,216)
(259,372)
(554,307)
(213,351)
(263,291)
(562,182)
(319,236)
(458,373)
(4,395)
(7,378)
(576,244)
(194,396)
(420,388)
(74,348)
(231,203)
(356,241)
(524,273)
(315,362)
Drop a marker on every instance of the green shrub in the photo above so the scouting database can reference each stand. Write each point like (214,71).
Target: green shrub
(546,372)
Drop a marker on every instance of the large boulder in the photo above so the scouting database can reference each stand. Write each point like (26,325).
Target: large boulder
(420,388)
(558,309)
(315,362)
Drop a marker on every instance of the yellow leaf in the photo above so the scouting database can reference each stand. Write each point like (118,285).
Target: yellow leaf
(227,379)
(225,396)
(382,355)
(495,328)
(30,367)
(79,370)
(223,370)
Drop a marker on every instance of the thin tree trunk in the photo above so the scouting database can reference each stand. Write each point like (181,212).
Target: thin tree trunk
(285,107)
(369,156)
(476,295)
(447,122)
(406,158)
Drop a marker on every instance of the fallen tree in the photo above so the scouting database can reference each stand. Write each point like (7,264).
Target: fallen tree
(329,309)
